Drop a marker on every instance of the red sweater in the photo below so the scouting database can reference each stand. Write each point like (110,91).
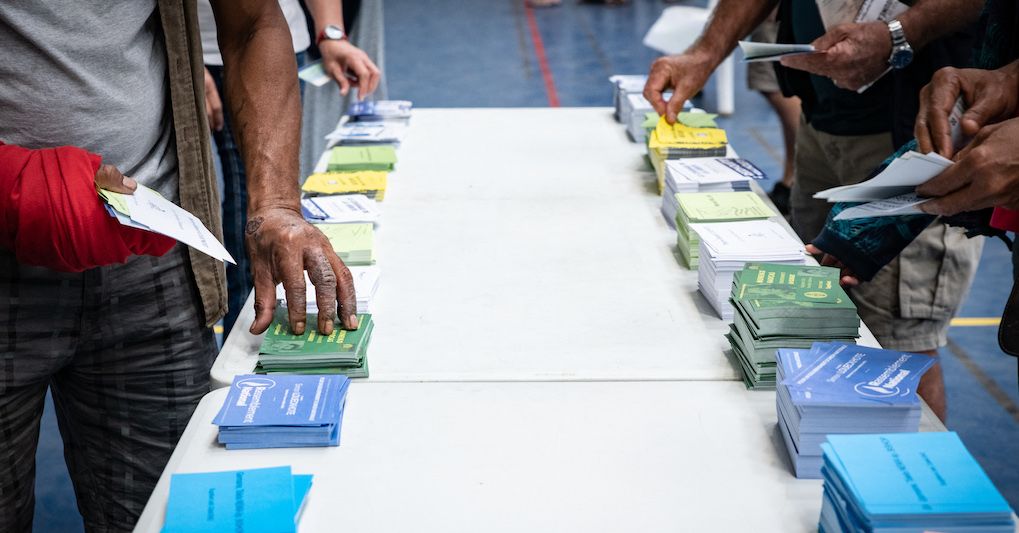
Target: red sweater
(51,216)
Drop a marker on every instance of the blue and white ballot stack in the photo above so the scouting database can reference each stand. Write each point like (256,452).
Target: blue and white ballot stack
(906,482)
(844,388)
(282,411)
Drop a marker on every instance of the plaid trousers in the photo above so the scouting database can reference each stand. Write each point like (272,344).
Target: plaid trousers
(126,354)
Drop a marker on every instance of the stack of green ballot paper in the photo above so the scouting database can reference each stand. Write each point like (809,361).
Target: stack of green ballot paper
(354,243)
(342,352)
(785,306)
(354,158)
(707,207)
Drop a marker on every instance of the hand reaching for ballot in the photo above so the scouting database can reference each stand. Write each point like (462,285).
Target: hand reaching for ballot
(847,277)
(683,74)
(109,177)
(991,96)
(282,246)
(985,174)
(339,57)
(852,55)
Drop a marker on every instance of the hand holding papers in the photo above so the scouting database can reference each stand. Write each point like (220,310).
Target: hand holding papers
(756,52)
(146,209)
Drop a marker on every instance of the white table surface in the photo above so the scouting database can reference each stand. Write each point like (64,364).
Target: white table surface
(539,456)
(526,244)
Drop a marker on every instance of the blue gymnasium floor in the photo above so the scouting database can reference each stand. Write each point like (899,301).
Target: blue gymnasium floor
(481,53)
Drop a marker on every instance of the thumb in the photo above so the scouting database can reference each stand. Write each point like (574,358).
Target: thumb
(829,39)
(109,177)
(673,107)
(977,116)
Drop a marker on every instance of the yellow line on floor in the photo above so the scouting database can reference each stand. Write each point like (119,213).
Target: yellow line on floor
(976,321)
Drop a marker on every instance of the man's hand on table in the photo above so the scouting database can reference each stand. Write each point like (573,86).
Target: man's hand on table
(985,174)
(683,74)
(851,55)
(341,57)
(282,245)
(991,96)
(847,277)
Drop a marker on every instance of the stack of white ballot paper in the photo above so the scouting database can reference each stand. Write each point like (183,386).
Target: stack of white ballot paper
(146,209)
(727,247)
(340,209)
(892,191)
(369,132)
(710,174)
(623,85)
(366,284)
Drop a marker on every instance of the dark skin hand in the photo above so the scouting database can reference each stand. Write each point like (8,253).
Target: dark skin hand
(990,96)
(985,174)
(685,74)
(847,277)
(852,55)
(109,177)
(261,87)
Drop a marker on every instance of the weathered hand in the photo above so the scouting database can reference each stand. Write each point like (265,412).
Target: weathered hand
(986,174)
(338,57)
(109,177)
(847,277)
(282,245)
(684,74)
(213,105)
(992,95)
(852,55)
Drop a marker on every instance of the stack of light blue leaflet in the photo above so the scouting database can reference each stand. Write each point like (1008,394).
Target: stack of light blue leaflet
(908,482)
(262,500)
(283,411)
(844,388)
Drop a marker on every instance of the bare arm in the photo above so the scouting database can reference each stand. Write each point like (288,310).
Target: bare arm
(262,90)
(928,20)
(338,57)
(686,73)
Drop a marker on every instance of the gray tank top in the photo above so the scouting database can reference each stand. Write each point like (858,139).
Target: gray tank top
(89,73)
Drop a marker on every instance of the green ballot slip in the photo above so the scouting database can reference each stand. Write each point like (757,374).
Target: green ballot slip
(351,158)
(354,243)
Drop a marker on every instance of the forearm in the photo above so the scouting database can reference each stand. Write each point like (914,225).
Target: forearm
(264,99)
(928,20)
(731,21)
(326,12)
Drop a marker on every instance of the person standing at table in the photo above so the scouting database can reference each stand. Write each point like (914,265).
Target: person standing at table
(126,348)
(339,57)
(846,131)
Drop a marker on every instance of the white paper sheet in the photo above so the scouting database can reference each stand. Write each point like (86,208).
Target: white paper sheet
(906,204)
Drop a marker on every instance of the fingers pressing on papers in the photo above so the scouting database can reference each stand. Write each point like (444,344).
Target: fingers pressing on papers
(109,177)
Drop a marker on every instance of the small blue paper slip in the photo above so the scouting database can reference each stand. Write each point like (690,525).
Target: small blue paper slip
(909,481)
(259,500)
(282,411)
(373,110)
(852,374)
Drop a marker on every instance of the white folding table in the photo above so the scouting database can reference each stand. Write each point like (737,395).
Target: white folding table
(526,244)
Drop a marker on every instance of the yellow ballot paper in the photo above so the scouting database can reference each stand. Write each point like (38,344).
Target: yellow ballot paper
(682,136)
(371,183)
(146,209)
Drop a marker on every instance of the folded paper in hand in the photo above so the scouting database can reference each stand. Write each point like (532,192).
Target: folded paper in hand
(754,52)
(146,209)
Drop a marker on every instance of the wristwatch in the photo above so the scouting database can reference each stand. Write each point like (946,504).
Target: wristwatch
(902,53)
(331,32)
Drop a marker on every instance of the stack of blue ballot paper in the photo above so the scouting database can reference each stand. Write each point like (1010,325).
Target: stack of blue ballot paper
(908,482)
(260,500)
(844,388)
(283,411)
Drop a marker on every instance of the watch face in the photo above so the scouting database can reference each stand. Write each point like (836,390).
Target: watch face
(901,58)
(333,32)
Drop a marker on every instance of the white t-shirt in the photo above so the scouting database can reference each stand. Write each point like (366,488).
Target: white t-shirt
(207,24)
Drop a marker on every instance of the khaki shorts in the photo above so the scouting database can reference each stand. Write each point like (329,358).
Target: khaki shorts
(761,76)
(911,301)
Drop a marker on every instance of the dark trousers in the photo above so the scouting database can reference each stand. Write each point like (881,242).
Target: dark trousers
(126,354)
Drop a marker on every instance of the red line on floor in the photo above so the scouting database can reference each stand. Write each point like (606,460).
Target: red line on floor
(539,51)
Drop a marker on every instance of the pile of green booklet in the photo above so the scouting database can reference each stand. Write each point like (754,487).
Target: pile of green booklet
(785,306)
(354,243)
(341,352)
(367,157)
(706,207)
